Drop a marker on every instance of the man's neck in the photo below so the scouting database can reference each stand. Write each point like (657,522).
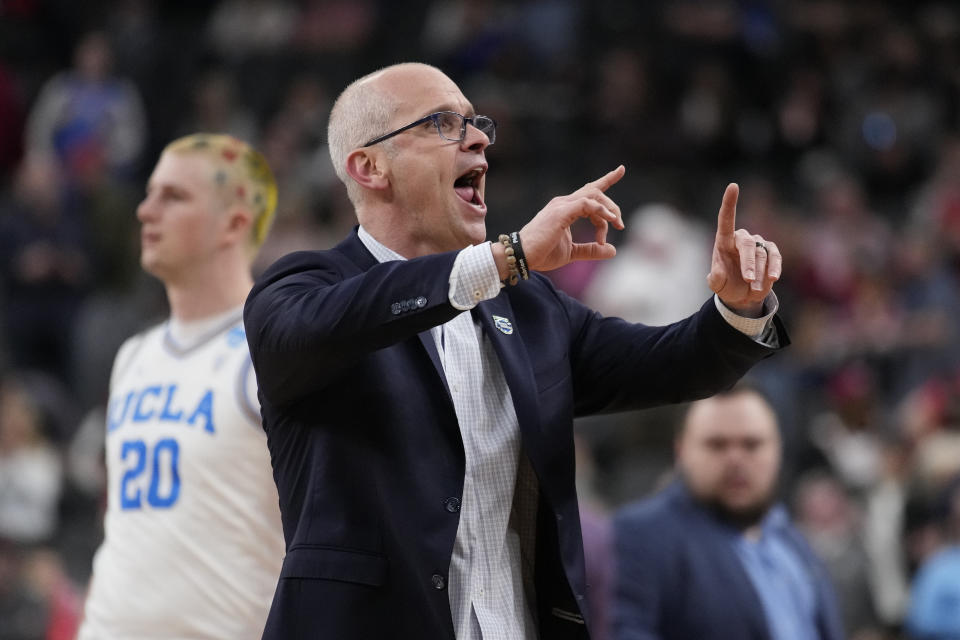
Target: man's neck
(207,294)
(382,224)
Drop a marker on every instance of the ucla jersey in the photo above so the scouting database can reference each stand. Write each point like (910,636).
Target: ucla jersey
(192,537)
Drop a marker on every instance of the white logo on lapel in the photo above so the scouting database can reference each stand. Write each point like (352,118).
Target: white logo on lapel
(503,324)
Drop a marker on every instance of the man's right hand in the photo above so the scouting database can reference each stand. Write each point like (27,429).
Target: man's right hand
(547,241)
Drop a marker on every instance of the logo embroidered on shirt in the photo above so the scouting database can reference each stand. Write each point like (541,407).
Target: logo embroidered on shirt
(503,324)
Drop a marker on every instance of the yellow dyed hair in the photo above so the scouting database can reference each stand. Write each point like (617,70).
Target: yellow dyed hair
(241,173)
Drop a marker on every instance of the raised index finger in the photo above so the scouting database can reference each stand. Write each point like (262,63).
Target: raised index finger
(727,219)
(610,179)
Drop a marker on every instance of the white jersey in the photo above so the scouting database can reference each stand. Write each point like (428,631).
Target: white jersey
(192,538)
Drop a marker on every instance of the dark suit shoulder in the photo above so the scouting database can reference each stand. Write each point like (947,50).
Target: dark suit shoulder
(660,509)
(298,262)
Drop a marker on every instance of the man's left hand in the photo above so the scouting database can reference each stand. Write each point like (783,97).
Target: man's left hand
(744,265)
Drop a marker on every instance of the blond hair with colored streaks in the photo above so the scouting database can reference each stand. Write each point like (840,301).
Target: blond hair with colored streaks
(241,174)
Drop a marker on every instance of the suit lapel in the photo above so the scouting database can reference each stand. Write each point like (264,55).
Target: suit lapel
(501,328)
(426,338)
(742,583)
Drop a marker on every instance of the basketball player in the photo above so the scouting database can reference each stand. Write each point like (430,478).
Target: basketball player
(193,543)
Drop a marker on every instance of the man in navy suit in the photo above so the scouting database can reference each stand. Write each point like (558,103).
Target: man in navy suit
(713,557)
(419,410)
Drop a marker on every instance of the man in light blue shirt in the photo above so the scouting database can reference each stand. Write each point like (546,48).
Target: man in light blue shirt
(713,557)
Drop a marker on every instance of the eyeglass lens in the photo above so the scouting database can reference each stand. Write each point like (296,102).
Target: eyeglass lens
(453,127)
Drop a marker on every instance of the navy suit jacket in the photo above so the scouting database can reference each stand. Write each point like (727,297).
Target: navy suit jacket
(679,576)
(366,448)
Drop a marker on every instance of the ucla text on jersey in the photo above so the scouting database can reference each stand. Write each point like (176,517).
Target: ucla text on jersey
(159,402)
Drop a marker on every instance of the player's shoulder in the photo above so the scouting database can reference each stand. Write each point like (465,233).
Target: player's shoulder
(137,341)
(133,346)
(234,337)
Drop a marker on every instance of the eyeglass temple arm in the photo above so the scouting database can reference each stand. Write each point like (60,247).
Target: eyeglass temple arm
(399,131)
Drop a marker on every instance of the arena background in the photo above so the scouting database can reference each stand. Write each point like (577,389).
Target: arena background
(838,119)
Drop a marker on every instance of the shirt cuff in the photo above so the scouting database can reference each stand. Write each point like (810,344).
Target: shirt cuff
(474,277)
(757,328)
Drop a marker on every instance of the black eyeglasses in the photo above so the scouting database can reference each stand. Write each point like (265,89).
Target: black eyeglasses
(450,125)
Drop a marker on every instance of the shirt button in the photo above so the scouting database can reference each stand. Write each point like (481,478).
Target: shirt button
(477,294)
(438,582)
(452,505)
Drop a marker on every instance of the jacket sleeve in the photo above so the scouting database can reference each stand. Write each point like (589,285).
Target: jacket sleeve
(312,315)
(619,365)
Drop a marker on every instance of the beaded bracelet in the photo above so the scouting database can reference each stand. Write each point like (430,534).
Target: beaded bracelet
(513,276)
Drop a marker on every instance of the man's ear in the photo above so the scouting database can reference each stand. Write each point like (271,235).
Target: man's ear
(367,169)
(238,225)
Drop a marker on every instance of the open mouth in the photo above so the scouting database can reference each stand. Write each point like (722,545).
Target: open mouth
(467,185)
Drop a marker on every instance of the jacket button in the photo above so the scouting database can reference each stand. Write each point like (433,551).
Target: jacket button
(395,308)
(452,505)
(438,582)
(421,302)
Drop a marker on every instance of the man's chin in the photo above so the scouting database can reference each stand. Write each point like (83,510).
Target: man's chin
(476,234)
(155,267)
(740,517)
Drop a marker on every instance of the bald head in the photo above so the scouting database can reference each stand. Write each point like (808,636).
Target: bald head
(366,109)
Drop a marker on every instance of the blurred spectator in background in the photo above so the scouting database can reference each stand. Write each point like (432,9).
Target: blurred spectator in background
(832,522)
(849,435)
(883,531)
(217,108)
(845,242)
(935,595)
(240,29)
(315,211)
(37,599)
(713,555)
(660,274)
(45,267)
(87,114)
(930,423)
(30,470)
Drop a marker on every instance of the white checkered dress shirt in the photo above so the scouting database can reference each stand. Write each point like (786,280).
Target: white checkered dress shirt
(485,581)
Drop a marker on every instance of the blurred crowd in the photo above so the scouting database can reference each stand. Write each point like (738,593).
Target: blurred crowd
(839,119)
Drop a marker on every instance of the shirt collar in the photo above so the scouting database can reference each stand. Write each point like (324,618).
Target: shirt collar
(776,519)
(379,251)
(183,336)
(774,523)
